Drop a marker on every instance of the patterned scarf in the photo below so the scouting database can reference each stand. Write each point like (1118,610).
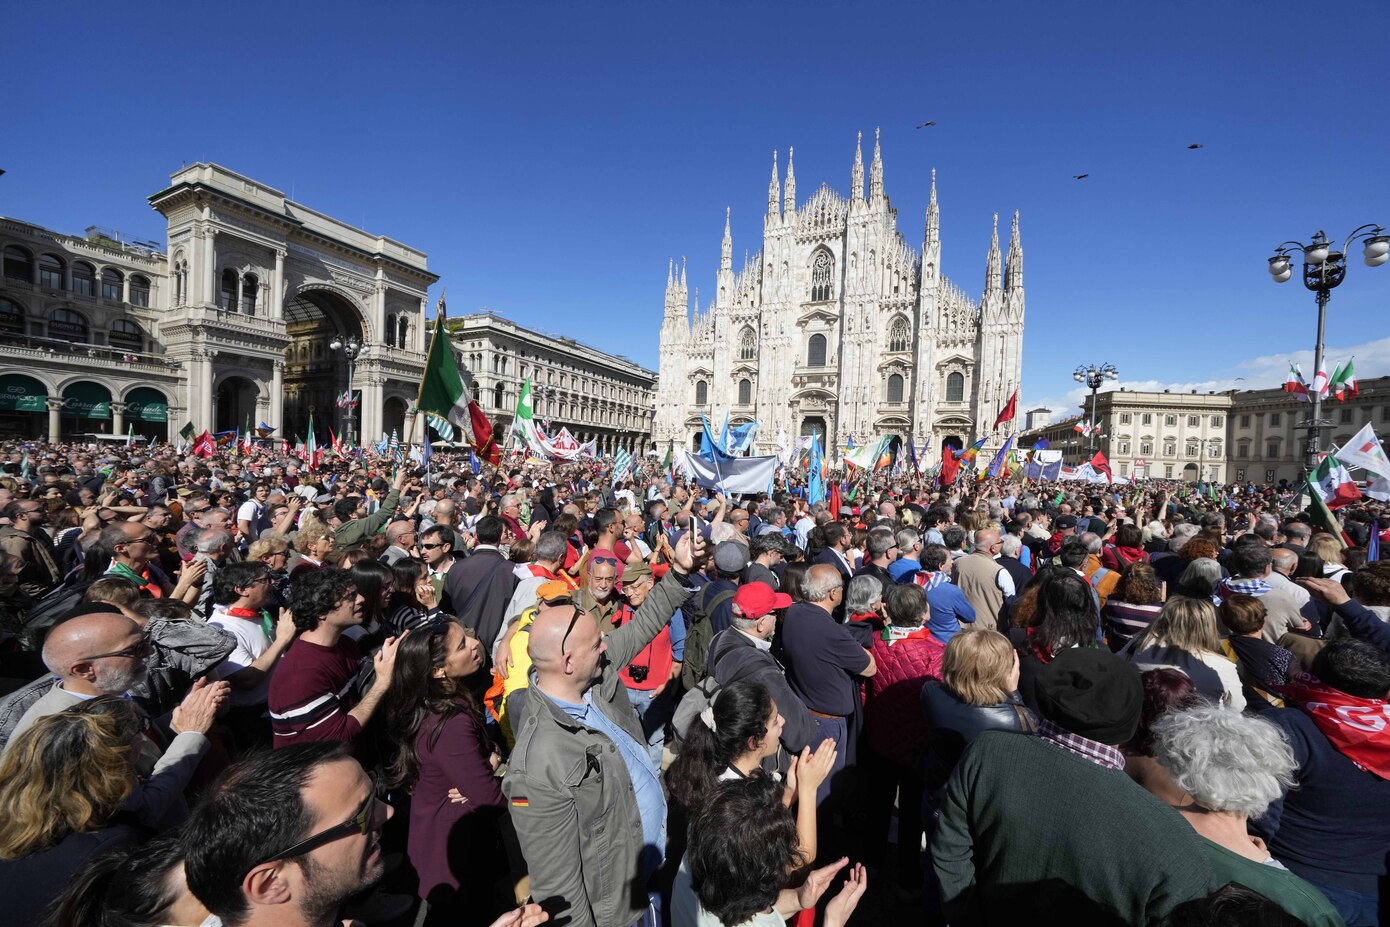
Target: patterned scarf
(1233,586)
(930,580)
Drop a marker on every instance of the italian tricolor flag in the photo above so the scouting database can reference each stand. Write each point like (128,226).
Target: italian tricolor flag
(1344,381)
(1295,384)
(1333,483)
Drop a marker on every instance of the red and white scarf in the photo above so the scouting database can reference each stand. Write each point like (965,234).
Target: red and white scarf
(1359,728)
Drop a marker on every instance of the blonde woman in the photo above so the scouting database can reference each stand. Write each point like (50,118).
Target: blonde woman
(1330,550)
(1185,636)
(62,784)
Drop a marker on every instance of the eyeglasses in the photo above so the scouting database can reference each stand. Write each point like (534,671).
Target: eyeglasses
(138,650)
(360,823)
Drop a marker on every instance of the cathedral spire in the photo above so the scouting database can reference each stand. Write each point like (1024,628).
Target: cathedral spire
(992,265)
(774,189)
(856,181)
(789,203)
(726,250)
(876,172)
(1013,275)
(684,291)
(933,213)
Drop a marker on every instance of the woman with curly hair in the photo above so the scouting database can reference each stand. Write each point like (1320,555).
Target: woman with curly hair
(1133,606)
(439,745)
(1224,769)
(62,784)
(743,852)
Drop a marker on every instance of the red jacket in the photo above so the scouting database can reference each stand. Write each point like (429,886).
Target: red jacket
(893,720)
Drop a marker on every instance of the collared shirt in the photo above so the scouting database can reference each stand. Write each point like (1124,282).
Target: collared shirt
(764,646)
(1103,755)
(646,784)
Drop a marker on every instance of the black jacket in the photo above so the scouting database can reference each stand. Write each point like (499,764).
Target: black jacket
(732,653)
(953,724)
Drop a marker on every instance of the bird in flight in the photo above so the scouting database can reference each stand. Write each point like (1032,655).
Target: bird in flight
(1080,176)
(925,124)
(1193,147)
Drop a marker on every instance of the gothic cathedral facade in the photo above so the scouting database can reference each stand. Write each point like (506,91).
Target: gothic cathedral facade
(838,326)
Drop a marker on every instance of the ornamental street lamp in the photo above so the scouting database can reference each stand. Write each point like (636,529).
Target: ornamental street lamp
(350,347)
(1093,376)
(1323,271)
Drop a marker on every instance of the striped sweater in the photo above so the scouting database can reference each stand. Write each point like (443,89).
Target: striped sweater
(311,693)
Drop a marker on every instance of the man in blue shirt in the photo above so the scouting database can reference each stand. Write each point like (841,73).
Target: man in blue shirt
(909,556)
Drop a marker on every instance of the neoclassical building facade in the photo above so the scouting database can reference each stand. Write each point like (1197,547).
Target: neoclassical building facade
(837,325)
(232,321)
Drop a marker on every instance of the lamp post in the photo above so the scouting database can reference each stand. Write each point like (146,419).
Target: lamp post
(1323,271)
(1093,375)
(351,347)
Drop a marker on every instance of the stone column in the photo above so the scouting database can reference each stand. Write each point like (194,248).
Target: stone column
(369,422)
(417,341)
(277,395)
(55,408)
(203,363)
(209,239)
(118,410)
(377,321)
(277,290)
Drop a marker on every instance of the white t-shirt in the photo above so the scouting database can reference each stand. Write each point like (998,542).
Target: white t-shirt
(251,642)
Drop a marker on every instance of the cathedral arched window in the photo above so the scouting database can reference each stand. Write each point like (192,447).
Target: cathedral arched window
(955,387)
(499,395)
(701,393)
(390,338)
(895,388)
(250,287)
(899,335)
(229,288)
(821,270)
(745,392)
(402,329)
(747,345)
(815,351)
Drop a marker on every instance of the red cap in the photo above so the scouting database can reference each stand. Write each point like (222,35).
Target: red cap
(756,599)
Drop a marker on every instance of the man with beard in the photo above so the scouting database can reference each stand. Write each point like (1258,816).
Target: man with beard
(311,694)
(104,654)
(285,837)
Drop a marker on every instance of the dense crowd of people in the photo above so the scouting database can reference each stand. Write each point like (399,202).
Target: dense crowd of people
(239,690)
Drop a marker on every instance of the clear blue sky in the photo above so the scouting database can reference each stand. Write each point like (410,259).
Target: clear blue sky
(550,158)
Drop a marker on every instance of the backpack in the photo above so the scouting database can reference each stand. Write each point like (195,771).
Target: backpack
(699,634)
(701,695)
(52,609)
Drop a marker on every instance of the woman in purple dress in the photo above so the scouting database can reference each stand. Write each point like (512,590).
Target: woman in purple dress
(440,746)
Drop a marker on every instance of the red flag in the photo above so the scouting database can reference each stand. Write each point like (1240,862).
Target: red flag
(1101,465)
(950,466)
(483,445)
(835,500)
(204,446)
(1007,413)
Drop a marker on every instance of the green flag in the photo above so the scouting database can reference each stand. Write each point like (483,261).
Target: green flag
(1322,515)
(188,432)
(1060,495)
(441,387)
(670,450)
(524,423)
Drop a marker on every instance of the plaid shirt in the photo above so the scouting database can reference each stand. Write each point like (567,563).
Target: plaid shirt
(1101,754)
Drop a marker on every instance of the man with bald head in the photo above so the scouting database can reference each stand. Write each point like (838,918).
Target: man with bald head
(401,535)
(582,788)
(104,654)
(985,583)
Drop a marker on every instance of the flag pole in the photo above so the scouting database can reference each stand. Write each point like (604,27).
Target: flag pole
(440,316)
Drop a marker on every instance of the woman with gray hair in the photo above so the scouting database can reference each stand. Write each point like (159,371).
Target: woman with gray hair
(864,600)
(1225,768)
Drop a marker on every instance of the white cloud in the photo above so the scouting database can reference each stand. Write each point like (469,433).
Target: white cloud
(1372,360)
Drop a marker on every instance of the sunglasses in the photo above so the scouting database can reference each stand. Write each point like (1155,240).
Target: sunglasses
(359,823)
(612,560)
(139,649)
(432,546)
(570,630)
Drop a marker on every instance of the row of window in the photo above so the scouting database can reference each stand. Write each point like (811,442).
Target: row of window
(1170,420)
(69,325)
(955,390)
(19,266)
(1170,449)
(899,339)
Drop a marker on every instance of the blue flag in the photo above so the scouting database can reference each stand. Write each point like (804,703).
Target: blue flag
(709,448)
(1373,544)
(815,484)
(426,451)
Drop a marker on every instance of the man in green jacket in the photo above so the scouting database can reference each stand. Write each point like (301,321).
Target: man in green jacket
(585,797)
(349,519)
(1046,827)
